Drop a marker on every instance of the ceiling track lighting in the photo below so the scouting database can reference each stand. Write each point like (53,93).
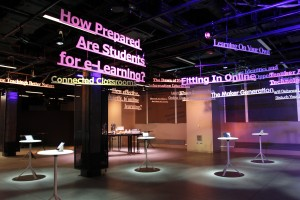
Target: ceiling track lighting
(32,73)
(6,66)
(60,38)
(33,92)
(284,65)
(184,60)
(264,44)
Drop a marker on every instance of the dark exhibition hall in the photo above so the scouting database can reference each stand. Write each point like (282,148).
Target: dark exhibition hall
(150,99)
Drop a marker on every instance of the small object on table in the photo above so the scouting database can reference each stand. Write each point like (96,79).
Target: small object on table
(228,164)
(55,153)
(30,140)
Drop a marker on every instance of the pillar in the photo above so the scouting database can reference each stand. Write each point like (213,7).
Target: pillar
(8,122)
(90,127)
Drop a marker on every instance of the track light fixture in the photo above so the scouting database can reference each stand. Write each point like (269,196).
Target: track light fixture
(32,73)
(60,38)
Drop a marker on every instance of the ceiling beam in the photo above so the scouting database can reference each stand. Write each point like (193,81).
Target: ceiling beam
(30,19)
(222,20)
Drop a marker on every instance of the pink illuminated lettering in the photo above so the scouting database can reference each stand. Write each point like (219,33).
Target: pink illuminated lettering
(77,63)
(87,45)
(69,60)
(97,29)
(75,21)
(109,51)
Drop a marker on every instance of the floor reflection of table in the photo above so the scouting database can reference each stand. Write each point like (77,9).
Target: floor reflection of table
(260,154)
(29,166)
(146,139)
(228,153)
(55,153)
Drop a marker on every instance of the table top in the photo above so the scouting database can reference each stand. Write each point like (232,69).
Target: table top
(260,133)
(146,138)
(227,138)
(30,141)
(55,152)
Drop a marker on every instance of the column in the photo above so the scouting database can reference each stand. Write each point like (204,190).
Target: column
(8,122)
(90,128)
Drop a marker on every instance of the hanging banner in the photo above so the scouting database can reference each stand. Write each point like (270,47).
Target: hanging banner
(241,47)
(91,81)
(25,83)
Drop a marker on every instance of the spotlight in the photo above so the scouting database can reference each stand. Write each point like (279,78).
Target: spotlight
(60,39)
(32,73)
(207,35)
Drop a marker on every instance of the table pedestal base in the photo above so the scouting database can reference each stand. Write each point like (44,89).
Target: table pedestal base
(54,196)
(146,162)
(263,158)
(228,161)
(29,166)
(32,171)
(226,168)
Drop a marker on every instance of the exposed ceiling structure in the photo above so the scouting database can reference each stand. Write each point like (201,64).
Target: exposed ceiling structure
(171,33)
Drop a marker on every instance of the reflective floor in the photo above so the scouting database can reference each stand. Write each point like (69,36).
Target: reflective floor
(181,175)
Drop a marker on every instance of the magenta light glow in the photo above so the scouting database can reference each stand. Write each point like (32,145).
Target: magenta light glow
(207,35)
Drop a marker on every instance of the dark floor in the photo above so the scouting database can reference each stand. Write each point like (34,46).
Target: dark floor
(181,175)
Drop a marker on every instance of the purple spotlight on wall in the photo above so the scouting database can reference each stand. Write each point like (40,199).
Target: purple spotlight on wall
(12,95)
(96,75)
(207,35)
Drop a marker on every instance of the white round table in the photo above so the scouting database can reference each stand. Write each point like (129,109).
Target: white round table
(29,166)
(262,156)
(146,138)
(228,164)
(55,153)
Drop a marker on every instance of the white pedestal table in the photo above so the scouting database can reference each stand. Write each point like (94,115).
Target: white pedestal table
(55,153)
(146,139)
(29,166)
(260,154)
(228,164)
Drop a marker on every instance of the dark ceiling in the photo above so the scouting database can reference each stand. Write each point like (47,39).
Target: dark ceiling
(169,30)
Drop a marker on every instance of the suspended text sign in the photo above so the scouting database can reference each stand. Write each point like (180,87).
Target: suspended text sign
(166,80)
(241,93)
(166,83)
(124,92)
(123,98)
(96,28)
(25,83)
(126,96)
(241,47)
(280,94)
(240,77)
(91,81)
(168,86)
